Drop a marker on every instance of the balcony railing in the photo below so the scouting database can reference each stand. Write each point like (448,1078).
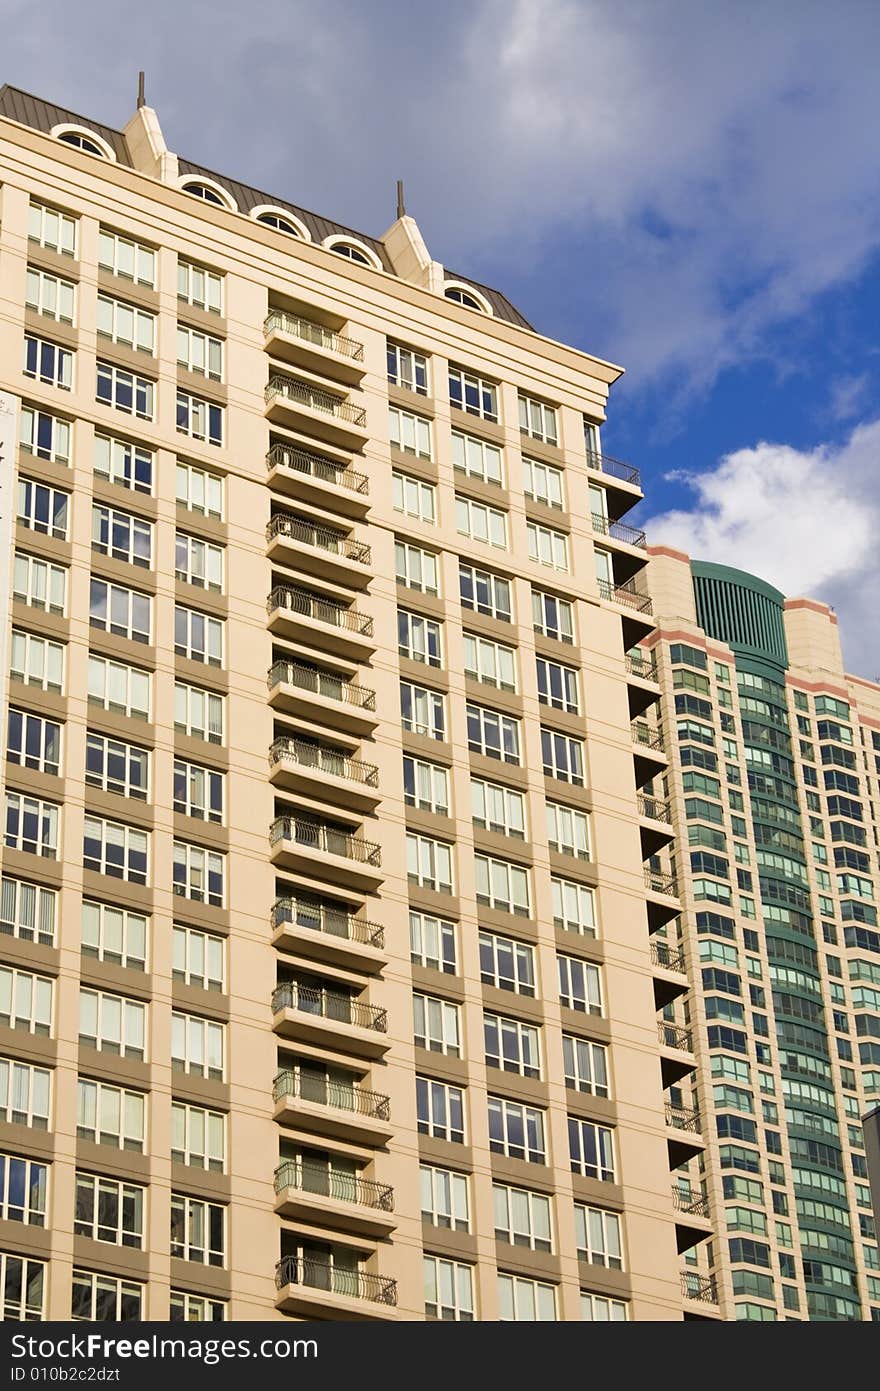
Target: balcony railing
(326,1091)
(329,1183)
(615,468)
(702,1288)
(334,922)
(668,957)
(660,882)
(310,332)
(619,531)
(643,666)
(303,601)
(328,1004)
(674,1036)
(683,1118)
(326,760)
(322,538)
(318,836)
(316,466)
(320,1275)
(290,389)
(693,1203)
(321,683)
(625,594)
(647,735)
(654,807)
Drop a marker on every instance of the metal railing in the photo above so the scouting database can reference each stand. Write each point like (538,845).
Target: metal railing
(319,836)
(619,531)
(329,1183)
(664,955)
(321,683)
(683,1118)
(615,468)
(289,389)
(303,601)
(316,466)
(674,1036)
(322,538)
(326,1091)
(637,665)
(310,332)
(702,1288)
(654,807)
(333,922)
(696,1205)
(324,759)
(328,1004)
(649,736)
(320,1275)
(661,882)
(625,594)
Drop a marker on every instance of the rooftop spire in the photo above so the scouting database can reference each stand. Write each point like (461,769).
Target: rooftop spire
(401,210)
(142,101)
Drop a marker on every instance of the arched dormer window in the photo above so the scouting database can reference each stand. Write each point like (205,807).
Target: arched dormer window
(209,191)
(81,138)
(467,296)
(354,251)
(281,219)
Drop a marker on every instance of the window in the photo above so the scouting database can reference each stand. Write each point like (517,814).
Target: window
(597,1308)
(27,911)
(425,786)
(586,1065)
(449,1290)
(200,491)
(42,509)
(50,295)
(198,713)
(432,942)
(126,258)
(22,1191)
(598,1236)
(507,964)
(580,985)
(126,391)
(115,935)
(469,299)
(198,636)
(502,885)
(200,352)
(25,1001)
(354,251)
(568,831)
(444,1198)
(516,1130)
(416,568)
(199,874)
(114,849)
(537,420)
(407,368)
(195,1308)
(198,1046)
(43,435)
(546,546)
(21,1288)
(419,638)
(484,592)
(198,1137)
(32,825)
(563,757)
(197,958)
(492,734)
(201,287)
(552,616)
(543,483)
(115,609)
(436,1025)
(413,497)
(198,791)
(105,1299)
(112,1024)
(558,686)
(209,192)
(117,766)
(110,1115)
(128,465)
(480,522)
(200,419)
(522,1218)
(410,433)
(491,662)
(440,1110)
(126,324)
(106,1210)
(36,661)
(511,1045)
(473,394)
(477,458)
(33,742)
(429,863)
(119,687)
(24,1094)
(50,228)
(422,711)
(83,139)
(497,808)
(525,1300)
(122,536)
(591,1149)
(48,362)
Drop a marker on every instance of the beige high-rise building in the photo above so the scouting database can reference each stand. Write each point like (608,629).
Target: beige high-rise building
(327,987)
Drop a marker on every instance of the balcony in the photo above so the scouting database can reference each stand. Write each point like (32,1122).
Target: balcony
(649,755)
(327,934)
(329,1019)
(315,1193)
(318,479)
(670,977)
(631,557)
(637,609)
(700,1289)
(656,823)
(301,616)
(641,682)
(662,897)
(323,773)
(301,406)
(308,344)
(684,1138)
(342,1111)
(670,958)
(322,697)
(610,467)
(692,1221)
(325,853)
(316,1288)
(640,665)
(318,550)
(676,1056)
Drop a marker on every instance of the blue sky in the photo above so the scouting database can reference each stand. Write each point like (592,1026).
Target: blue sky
(690,189)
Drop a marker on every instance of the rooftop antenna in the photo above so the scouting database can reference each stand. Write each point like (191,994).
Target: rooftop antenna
(142,101)
(401,210)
